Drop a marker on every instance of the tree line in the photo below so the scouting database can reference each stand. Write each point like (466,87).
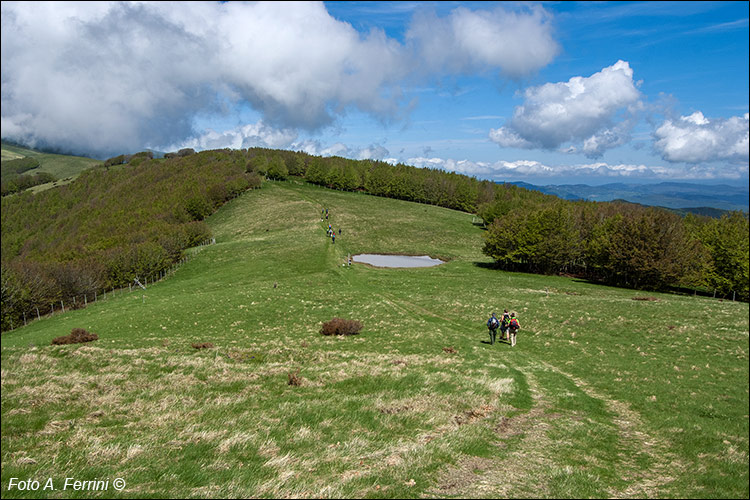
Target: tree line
(624,244)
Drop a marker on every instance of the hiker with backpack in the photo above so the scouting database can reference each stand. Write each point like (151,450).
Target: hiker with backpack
(504,325)
(492,325)
(513,327)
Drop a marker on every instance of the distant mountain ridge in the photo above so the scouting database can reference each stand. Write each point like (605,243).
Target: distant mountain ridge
(683,196)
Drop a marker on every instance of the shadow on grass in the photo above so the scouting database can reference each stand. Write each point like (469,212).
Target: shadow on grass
(674,290)
(498,341)
(488,265)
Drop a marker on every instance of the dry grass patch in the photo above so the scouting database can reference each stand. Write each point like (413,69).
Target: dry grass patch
(340,326)
(294,379)
(77,336)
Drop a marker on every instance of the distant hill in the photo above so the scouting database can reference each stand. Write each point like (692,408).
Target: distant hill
(701,199)
(62,167)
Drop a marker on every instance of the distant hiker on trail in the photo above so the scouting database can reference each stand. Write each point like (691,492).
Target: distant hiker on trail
(513,327)
(333,237)
(492,325)
(504,323)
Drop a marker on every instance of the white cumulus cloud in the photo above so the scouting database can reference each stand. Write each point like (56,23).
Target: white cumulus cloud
(597,111)
(257,134)
(371,152)
(696,139)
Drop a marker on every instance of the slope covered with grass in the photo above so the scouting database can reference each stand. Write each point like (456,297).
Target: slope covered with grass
(60,166)
(604,395)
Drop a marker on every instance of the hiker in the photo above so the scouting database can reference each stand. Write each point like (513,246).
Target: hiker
(333,237)
(513,327)
(492,325)
(504,325)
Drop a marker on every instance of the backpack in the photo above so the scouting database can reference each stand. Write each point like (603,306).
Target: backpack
(493,322)
(514,323)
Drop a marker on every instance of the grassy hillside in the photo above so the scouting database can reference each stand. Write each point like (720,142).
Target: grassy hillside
(63,167)
(604,395)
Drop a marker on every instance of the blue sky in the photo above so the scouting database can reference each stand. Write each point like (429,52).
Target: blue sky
(548,93)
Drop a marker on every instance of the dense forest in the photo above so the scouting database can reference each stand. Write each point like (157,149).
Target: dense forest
(134,215)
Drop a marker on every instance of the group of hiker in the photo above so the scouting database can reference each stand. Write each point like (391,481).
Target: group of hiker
(330,231)
(508,326)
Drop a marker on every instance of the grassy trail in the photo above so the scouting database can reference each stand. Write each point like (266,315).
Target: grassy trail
(604,396)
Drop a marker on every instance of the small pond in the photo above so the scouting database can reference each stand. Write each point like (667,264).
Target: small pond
(396,260)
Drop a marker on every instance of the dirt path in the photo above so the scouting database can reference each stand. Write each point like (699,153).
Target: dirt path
(525,471)
(644,483)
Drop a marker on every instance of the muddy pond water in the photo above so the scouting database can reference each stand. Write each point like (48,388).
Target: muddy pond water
(377,260)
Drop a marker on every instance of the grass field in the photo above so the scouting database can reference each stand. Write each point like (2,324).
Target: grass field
(63,167)
(603,396)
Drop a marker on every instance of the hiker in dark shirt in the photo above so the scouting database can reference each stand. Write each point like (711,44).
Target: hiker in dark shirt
(492,325)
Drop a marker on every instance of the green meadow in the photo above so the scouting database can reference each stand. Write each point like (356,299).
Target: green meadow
(608,393)
(63,167)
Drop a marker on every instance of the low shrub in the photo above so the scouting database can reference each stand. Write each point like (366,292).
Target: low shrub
(294,378)
(77,336)
(339,326)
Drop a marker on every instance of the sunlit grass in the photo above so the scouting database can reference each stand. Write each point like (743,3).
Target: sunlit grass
(603,396)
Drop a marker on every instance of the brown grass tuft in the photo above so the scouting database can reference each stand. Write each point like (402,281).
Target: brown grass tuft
(294,378)
(339,326)
(204,345)
(449,350)
(653,299)
(77,336)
